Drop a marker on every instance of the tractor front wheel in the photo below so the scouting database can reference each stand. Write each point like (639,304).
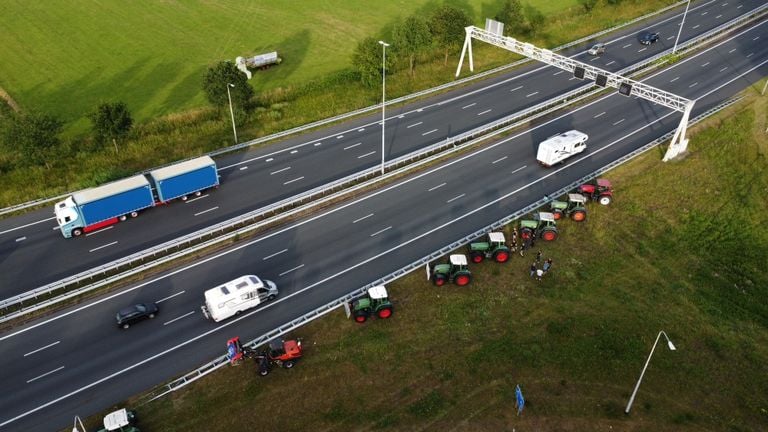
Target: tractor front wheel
(501,256)
(557,214)
(384,313)
(605,200)
(288,364)
(463,279)
(579,215)
(549,235)
(477,257)
(361,317)
(526,233)
(439,279)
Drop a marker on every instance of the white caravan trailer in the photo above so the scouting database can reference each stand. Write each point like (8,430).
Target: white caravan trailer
(560,147)
(236,296)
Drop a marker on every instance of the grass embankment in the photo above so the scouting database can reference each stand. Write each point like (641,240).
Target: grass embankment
(298,91)
(683,249)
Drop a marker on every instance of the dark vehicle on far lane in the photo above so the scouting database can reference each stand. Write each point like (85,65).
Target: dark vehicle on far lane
(133,314)
(647,38)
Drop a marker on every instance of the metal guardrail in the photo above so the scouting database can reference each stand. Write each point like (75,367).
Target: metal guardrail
(181,246)
(329,307)
(236,147)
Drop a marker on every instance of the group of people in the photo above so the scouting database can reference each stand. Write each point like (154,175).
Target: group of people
(526,244)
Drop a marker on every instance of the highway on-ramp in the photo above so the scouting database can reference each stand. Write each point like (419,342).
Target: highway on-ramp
(33,252)
(78,361)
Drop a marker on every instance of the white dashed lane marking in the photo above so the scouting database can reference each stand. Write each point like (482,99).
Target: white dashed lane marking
(381,231)
(170,297)
(280,170)
(274,255)
(627,46)
(45,374)
(610,62)
(455,198)
(674,79)
(361,130)
(694,84)
(291,270)
(532,94)
(352,146)
(362,218)
(469,106)
(20,239)
(731,51)
(178,318)
(436,187)
(106,245)
(367,154)
(696,26)
(427,133)
(705,64)
(499,160)
(269,160)
(40,349)
(100,231)
(339,136)
(198,198)
(484,112)
(244,168)
(519,169)
(294,180)
(723,69)
(615,123)
(600,115)
(415,124)
(557,73)
(204,211)
(516,88)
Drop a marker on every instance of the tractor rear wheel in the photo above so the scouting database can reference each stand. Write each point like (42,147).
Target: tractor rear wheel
(477,257)
(439,279)
(605,200)
(557,214)
(549,234)
(384,312)
(264,372)
(288,364)
(579,215)
(501,256)
(526,233)
(462,279)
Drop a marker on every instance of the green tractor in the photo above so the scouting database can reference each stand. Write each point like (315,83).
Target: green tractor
(494,247)
(574,208)
(542,225)
(375,303)
(455,270)
(122,420)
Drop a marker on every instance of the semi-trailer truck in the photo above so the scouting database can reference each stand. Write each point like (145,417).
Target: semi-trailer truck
(105,205)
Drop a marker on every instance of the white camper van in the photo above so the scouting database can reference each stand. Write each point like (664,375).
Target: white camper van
(560,147)
(236,296)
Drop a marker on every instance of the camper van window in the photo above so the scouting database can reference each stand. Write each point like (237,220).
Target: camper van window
(241,285)
(224,290)
(255,280)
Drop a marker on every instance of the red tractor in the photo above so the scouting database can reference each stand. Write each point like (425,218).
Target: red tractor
(278,352)
(599,190)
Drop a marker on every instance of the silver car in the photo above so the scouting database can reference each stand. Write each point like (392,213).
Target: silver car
(597,49)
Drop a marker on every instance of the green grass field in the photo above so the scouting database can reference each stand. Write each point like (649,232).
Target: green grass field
(682,249)
(64,57)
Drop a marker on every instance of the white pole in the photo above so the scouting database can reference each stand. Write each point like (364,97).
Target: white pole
(764,87)
(384,46)
(231,112)
(637,386)
(681,26)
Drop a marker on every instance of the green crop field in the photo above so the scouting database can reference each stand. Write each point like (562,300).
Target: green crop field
(63,57)
(682,248)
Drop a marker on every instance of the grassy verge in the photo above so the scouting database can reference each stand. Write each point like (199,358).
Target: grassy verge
(683,249)
(195,131)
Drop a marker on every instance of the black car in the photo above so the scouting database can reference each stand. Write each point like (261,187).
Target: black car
(647,38)
(133,314)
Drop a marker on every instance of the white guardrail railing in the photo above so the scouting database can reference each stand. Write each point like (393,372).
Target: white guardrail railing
(273,213)
(329,307)
(323,122)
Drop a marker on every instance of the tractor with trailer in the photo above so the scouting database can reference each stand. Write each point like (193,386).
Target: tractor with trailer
(599,190)
(455,270)
(494,246)
(278,352)
(573,208)
(542,225)
(375,302)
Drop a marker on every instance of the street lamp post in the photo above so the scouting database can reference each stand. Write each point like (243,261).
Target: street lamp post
(231,112)
(674,48)
(384,46)
(637,386)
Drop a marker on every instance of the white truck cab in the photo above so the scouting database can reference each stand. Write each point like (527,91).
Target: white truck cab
(236,296)
(557,148)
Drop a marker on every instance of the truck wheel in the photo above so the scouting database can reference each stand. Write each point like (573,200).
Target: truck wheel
(385,313)
(184,197)
(477,257)
(134,214)
(605,200)
(123,218)
(288,364)
(271,297)
(77,232)
(579,215)
(439,279)
(501,256)
(198,193)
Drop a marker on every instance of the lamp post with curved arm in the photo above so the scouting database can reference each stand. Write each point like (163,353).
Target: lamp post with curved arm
(637,386)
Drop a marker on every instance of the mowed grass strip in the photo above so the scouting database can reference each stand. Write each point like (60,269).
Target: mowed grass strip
(682,249)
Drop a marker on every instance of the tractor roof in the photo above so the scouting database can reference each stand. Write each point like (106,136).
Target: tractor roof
(604,182)
(459,260)
(496,237)
(117,419)
(546,217)
(378,292)
(579,198)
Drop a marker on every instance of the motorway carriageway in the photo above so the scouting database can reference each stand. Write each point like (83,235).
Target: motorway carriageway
(77,362)
(34,253)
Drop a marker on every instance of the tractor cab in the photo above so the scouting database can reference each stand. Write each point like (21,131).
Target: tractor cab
(375,302)
(455,270)
(574,208)
(542,225)
(120,421)
(279,352)
(600,190)
(494,247)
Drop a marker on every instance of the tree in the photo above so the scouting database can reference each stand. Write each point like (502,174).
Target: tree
(534,19)
(215,84)
(111,121)
(367,60)
(410,38)
(34,137)
(447,25)
(588,5)
(511,14)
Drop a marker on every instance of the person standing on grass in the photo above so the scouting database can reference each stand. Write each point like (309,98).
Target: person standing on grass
(514,244)
(538,256)
(539,274)
(547,265)
(533,270)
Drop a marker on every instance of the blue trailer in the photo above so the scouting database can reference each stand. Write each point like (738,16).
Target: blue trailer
(95,208)
(185,178)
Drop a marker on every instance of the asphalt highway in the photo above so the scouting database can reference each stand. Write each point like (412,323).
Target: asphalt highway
(33,252)
(79,362)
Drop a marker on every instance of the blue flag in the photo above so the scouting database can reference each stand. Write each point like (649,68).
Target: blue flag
(520,399)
